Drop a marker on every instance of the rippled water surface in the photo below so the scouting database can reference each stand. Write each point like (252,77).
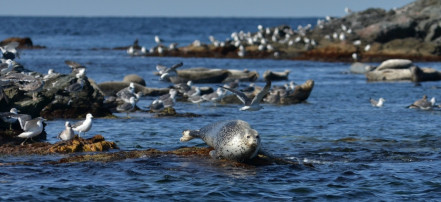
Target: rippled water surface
(358,152)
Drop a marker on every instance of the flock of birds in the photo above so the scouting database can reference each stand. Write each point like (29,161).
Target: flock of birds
(128,98)
(423,103)
(26,81)
(266,39)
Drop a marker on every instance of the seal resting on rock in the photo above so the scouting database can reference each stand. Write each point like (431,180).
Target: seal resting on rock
(232,139)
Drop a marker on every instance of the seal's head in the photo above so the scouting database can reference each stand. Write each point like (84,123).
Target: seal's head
(252,141)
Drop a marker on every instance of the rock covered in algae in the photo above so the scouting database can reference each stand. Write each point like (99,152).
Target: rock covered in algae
(198,152)
(94,144)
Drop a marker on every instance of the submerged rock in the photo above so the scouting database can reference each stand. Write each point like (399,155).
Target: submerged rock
(201,152)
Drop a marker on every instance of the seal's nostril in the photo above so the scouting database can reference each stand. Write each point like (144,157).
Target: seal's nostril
(248,136)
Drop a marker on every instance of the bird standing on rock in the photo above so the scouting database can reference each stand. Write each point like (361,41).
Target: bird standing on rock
(32,128)
(67,133)
(83,126)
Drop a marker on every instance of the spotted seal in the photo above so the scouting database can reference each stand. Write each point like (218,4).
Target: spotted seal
(232,139)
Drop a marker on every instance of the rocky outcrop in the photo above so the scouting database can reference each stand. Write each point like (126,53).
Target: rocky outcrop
(94,144)
(412,32)
(54,101)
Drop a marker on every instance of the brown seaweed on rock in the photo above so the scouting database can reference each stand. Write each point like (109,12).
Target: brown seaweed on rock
(94,144)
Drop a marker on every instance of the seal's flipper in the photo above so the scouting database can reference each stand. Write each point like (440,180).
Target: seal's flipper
(188,135)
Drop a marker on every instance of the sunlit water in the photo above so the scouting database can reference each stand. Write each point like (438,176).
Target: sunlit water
(358,152)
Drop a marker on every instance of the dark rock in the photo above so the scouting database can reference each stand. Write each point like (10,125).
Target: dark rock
(94,144)
(54,101)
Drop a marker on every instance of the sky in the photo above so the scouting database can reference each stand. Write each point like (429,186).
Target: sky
(192,8)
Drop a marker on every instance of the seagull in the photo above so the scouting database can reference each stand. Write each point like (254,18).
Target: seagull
(433,101)
(169,99)
(251,105)
(378,103)
(9,51)
(34,87)
(158,40)
(273,97)
(421,104)
(166,72)
(9,117)
(50,74)
(83,126)
(75,87)
(184,87)
(214,96)
(126,93)
(135,49)
(196,99)
(67,133)
(6,66)
(127,106)
(32,128)
(156,105)
(75,66)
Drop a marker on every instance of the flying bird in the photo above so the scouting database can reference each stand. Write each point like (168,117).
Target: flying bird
(251,105)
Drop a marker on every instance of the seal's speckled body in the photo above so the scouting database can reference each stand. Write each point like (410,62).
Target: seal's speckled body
(232,139)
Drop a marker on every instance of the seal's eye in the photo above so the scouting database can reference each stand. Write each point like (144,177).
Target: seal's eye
(248,136)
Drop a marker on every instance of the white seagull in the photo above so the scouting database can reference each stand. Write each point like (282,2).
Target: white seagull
(83,126)
(378,103)
(251,105)
(32,128)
